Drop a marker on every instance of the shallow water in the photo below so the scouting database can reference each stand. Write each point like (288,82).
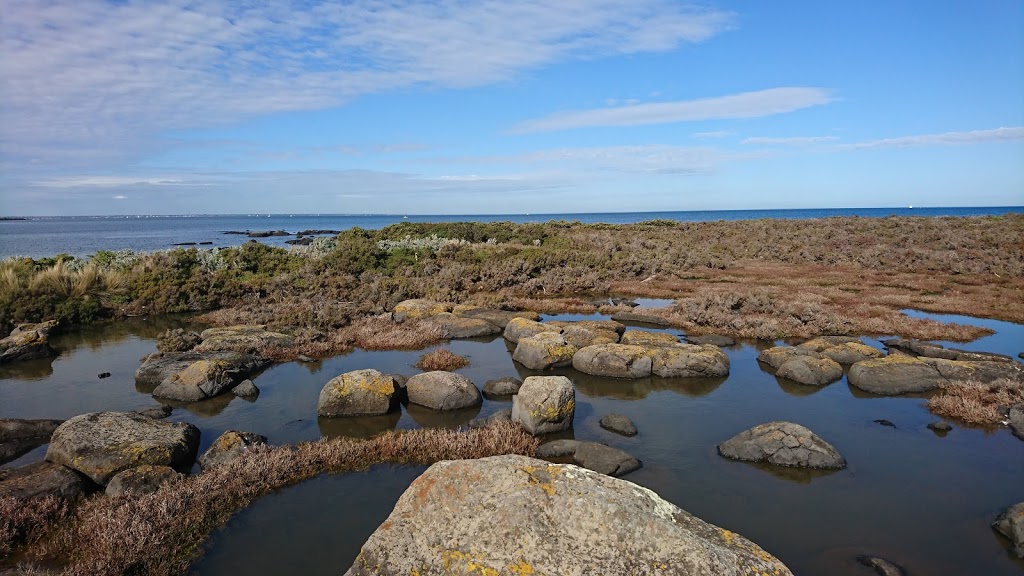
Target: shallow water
(909,495)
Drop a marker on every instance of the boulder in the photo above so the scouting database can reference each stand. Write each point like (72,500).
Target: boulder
(200,380)
(713,339)
(506,386)
(499,318)
(545,404)
(558,448)
(810,370)
(518,515)
(852,352)
(417,309)
(442,391)
(640,318)
(246,389)
(543,351)
(690,361)
(822,343)
(159,366)
(1011,524)
(523,328)
(604,459)
(778,355)
(452,326)
(881,566)
(895,374)
(358,393)
(143,479)
(941,427)
(976,370)
(19,437)
(1016,420)
(158,412)
(615,360)
(27,341)
(244,338)
(932,350)
(594,325)
(618,423)
(648,339)
(41,479)
(499,416)
(580,336)
(228,446)
(101,444)
(782,444)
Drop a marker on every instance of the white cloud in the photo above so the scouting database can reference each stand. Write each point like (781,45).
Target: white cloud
(743,105)
(944,139)
(712,134)
(789,141)
(120,197)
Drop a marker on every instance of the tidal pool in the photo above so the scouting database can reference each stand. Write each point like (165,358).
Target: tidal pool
(911,496)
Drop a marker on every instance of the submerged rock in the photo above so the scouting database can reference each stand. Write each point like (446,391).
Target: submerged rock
(417,309)
(640,318)
(810,371)
(782,444)
(1011,524)
(442,391)
(545,404)
(614,360)
(881,566)
(942,427)
(543,351)
(246,389)
(604,459)
(618,423)
(156,412)
(527,516)
(143,479)
(506,386)
(358,393)
(499,416)
(932,350)
(27,341)
(228,446)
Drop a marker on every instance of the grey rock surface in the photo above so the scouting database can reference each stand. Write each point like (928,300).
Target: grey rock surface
(523,328)
(604,459)
(640,318)
(618,423)
(558,448)
(713,339)
(778,355)
(156,412)
(500,416)
(895,374)
(1011,524)
(544,351)
(881,566)
(499,318)
(689,361)
(42,479)
(199,380)
(545,404)
(648,339)
(159,366)
(453,326)
(442,390)
(244,338)
(27,341)
(614,360)
(358,393)
(506,386)
(143,479)
(19,429)
(810,371)
(246,389)
(228,446)
(782,444)
(1016,420)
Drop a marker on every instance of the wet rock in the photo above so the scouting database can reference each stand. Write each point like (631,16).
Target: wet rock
(884,422)
(200,380)
(453,326)
(528,516)
(545,404)
(881,566)
(27,341)
(143,479)
(499,416)
(782,444)
(42,479)
(810,371)
(648,339)
(604,459)
(1016,420)
(1011,524)
(932,350)
(506,386)
(228,446)
(417,309)
(103,375)
(558,448)
(689,361)
(246,338)
(640,318)
(777,356)
(442,391)
(499,318)
(713,339)
(618,423)
(267,233)
(895,374)
(523,328)
(358,393)
(159,366)
(614,360)
(543,351)
(976,370)
(101,444)
(940,427)
(156,412)
(246,389)
(19,437)
(177,340)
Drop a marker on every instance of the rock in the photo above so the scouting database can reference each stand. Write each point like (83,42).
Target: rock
(358,393)
(228,446)
(103,375)
(604,459)
(1011,524)
(558,448)
(247,339)
(615,360)
(246,389)
(593,325)
(894,374)
(177,340)
(156,412)
(442,391)
(101,444)
(822,343)
(580,336)
(648,339)
(940,427)
(523,328)
(881,566)
(506,386)
(690,361)
(619,423)
(976,370)
(159,366)
(777,356)
(518,515)
(200,380)
(932,350)
(782,444)
(453,326)
(299,241)
(884,422)
(499,416)
(1016,420)
(543,351)
(304,358)
(27,341)
(851,353)
(417,309)
(499,318)
(713,339)
(143,479)
(267,233)
(42,479)
(640,318)
(19,437)
(545,404)
(810,371)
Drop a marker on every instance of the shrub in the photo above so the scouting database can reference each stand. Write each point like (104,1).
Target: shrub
(441,359)
(976,402)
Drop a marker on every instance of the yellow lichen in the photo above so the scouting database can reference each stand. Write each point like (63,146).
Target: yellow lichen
(543,477)
(521,568)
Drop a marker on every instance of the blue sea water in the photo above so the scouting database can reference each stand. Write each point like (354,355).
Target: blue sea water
(37,237)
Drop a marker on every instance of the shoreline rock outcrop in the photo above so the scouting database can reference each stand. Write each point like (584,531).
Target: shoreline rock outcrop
(27,342)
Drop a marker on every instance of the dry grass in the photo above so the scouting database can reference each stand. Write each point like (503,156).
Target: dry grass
(441,359)
(977,403)
(375,333)
(24,522)
(553,305)
(161,533)
(90,281)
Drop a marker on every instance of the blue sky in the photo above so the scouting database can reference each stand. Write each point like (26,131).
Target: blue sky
(463,107)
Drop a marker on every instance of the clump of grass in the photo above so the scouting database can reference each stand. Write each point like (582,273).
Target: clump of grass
(375,333)
(89,281)
(441,359)
(161,533)
(977,403)
(23,521)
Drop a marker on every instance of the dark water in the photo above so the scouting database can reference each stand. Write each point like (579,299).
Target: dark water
(919,499)
(83,235)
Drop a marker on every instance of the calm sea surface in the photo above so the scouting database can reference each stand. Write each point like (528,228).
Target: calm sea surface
(83,235)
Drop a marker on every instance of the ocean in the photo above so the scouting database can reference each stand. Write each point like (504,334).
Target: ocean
(80,236)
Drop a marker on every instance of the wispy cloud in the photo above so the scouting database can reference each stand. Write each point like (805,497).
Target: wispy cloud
(944,139)
(92,81)
(743,105)
(790,141)
(714,134)
(589,162)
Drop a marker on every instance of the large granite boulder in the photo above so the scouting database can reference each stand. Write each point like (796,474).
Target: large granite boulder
(810,371)
(782,444)
(159,366)
(526,516)
(778,355)
(523,328)
(1011,524)
(358,393)
(144,479)
(246,339)
(18,437)
(199,380)
(417,309)
(543,351)
(41,479)
(101,444)
(648,339)
(27,341)
(615,360)
(895,374)
(689,361)
(442,391)
(228,446)
(499,318)
(545,404)
(452,326)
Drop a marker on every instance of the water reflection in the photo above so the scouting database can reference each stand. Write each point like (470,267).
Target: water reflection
(789,473)
(37,369)
(358,426)
(203,408)
(429,418)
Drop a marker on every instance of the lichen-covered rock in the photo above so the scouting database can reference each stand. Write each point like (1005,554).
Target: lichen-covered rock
(499,318)
(976,370)
(506,386)
(895,374)
(782,444)
(545,404)
(358,393)
(159,366)
(246,339)
(41,479)
(648,339)
(778,355)
(143,479)
(932,350)
(101,444)
(810,371)
(417,309)
(177,340)
(199,380)
(640,318)
(822,343)
(228,446)
(595,325)
(689,361)
(580,336)
(618,423)
(27,341)
(604,459)
(523,328)
(614,360)
(543,351)
(1011,524)
(527,516)
(453,326)
(442,391)
(852,352)
(713,339)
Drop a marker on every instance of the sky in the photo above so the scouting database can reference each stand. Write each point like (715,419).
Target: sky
(481,107)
